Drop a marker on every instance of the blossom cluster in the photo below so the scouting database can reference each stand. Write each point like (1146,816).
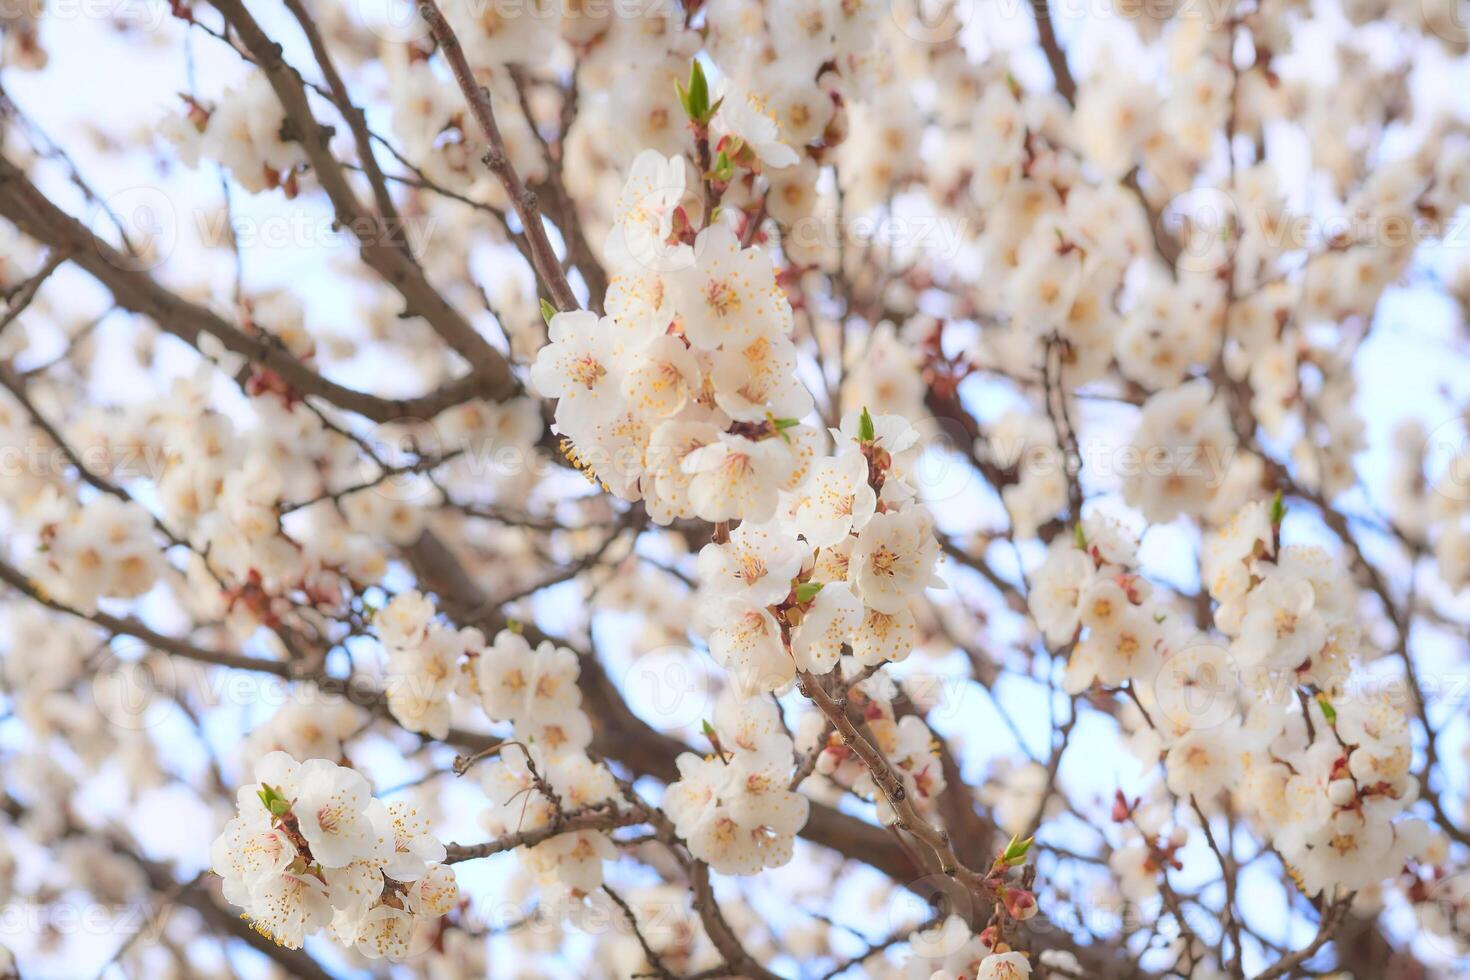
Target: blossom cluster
(905,741)
(950,951)
(266,546)
(1327,774)
(1263,710)
(531,789)
(685,395)
(543,772)
(1111,283)
(423,662)
(103,547)
(840,566)
(546,773)
(735,809)
(311,849)
(244,132)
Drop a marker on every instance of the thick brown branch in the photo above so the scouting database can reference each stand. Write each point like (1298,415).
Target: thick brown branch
(600,817)
(891,785)
(377,245)
(356,121)
(137,292)
(527,207)
(719,930)
(1056,58)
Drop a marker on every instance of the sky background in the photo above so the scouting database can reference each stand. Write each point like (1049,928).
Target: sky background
(105,87)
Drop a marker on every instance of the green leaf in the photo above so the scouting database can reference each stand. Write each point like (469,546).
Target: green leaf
(722,169)
(1328,711)
(514,625)
(694,96)
(1016,849)
(547,311)
(1079,537)
(1278,509)
(781,425)
(807,591)
(274,802)
(698,90)
(866,432)
(709,730)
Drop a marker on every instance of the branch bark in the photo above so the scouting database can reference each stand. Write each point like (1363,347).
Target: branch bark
(523,200)
(134,290)
(380,246)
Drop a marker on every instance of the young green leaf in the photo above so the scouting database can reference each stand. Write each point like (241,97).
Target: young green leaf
(1328,711)
(723,168)
(274,802)
(1015,852)
(694,96)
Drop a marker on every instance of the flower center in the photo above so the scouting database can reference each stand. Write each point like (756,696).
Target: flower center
(587,371)
(721,298)
(885,562)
